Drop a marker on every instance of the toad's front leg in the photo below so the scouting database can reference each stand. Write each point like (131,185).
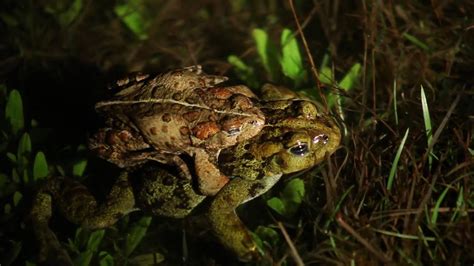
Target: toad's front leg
(78,206)
(210,178)
(224,221)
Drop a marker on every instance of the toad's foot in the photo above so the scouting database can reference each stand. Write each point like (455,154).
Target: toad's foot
(224,221)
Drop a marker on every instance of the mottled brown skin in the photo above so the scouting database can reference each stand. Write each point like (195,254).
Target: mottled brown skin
(179,112)
(296,137)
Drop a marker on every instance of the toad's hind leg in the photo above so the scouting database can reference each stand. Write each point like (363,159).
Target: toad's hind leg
(78,206)
(224,221)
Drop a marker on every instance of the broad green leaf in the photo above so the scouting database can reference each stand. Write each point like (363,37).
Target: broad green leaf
(133,15)
(348,82)
(24,145)
(26,176)
(9,19)
(258,242)
(15,176)
(80,165)
(238,5)
(351,78)
(24,151)
(84,258)
(326,76)
(268,235)
(17,196)
(238,63)
(136,234)
(10,254)
(40,166)
(147,259)
(65,11)
(14,112)
(267,52)
(105,259)
(291,62)
(243,71)
(12,157)
(294,191)
(277,205)
(81,237)
(94,240)
(292,196)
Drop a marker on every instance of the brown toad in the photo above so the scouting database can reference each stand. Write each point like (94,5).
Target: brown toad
(179,112)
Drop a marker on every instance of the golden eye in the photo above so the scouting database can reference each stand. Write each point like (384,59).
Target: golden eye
(233,131)
(300,149)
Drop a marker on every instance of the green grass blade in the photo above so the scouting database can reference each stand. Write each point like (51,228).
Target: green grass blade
(338,206)
(434,215)
(428,126)
(416,41)
(403,236)
(459,204)
(393,170)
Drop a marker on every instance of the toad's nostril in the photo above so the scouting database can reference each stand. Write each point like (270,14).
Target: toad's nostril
(321,138)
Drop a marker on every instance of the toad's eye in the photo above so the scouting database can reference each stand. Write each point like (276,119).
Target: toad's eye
(300,149)
(233,131)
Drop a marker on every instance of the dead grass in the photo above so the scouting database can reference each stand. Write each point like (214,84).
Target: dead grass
(425,217)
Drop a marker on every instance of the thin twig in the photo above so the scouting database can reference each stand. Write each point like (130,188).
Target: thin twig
(314,70)
(361,240)
(294,253)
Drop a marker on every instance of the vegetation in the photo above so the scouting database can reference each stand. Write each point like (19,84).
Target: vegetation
(398,76)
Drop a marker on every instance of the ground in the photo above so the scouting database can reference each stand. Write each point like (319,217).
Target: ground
(398,77)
